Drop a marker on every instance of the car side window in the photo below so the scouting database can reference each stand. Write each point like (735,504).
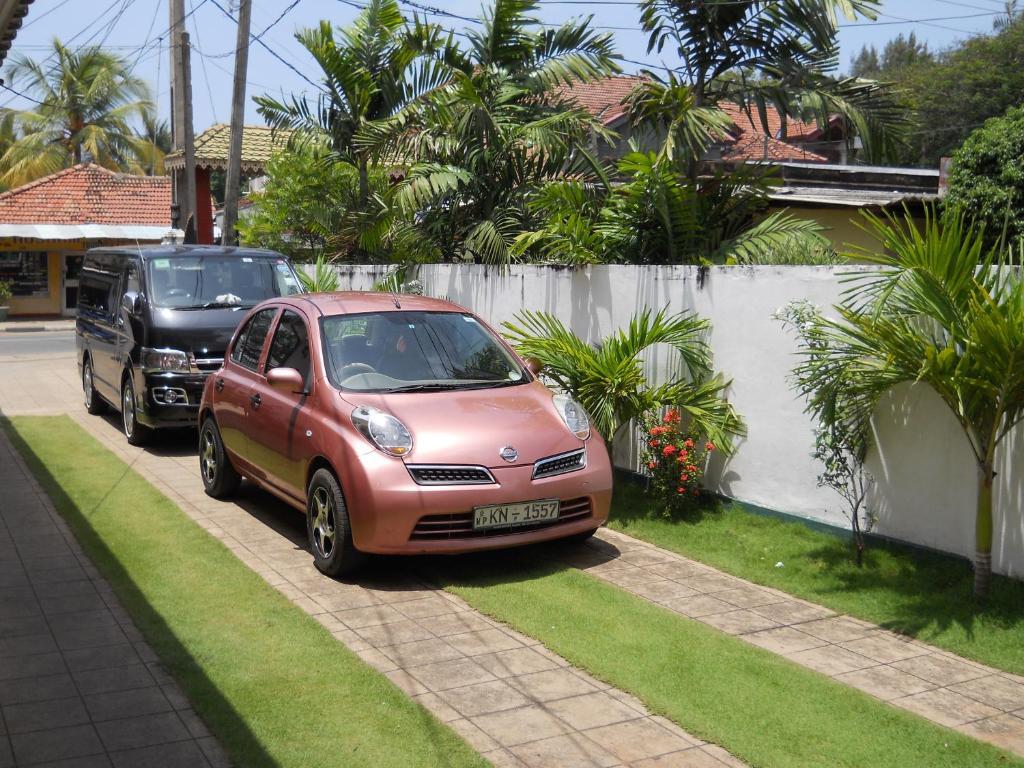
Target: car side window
(96,293)
(249,344)
(132,284)
(290,345)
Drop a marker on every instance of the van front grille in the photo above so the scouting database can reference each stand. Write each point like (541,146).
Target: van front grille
(208,362)
(460,525)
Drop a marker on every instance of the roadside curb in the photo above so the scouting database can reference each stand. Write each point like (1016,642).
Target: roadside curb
(36,328)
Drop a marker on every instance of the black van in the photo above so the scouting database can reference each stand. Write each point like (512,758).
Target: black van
(154,321)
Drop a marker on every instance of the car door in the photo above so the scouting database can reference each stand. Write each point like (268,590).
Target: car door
(235,386)
(278,427)
(97,295)
(128,327)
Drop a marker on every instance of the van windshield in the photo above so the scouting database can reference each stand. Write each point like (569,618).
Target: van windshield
(207,281)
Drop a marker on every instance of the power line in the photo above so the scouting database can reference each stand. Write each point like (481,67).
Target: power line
(202,62)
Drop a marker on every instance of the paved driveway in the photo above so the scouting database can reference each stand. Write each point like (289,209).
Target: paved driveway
(511,699)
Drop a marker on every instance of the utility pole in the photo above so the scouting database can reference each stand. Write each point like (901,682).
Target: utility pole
(232,187)
(182,138)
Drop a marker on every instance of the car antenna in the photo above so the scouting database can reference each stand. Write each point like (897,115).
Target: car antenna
(394,298)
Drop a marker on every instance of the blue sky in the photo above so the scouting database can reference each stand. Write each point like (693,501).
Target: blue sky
(213,34)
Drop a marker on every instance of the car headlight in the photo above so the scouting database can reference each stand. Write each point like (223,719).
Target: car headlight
(573,415)
(163,360)
(383,430)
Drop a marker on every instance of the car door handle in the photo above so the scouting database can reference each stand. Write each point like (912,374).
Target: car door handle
(255,401)
(219,384)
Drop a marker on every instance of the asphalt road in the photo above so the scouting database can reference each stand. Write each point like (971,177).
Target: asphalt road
(48,343)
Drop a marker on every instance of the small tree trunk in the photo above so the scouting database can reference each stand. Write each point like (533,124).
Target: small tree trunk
(983,534)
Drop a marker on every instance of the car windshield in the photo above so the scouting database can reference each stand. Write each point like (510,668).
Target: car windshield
(206,281)
(416,351)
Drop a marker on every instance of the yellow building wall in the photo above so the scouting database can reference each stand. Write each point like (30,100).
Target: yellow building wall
(844,227)
(50,304)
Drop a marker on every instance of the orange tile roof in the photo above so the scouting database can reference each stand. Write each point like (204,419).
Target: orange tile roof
(604,99)
(89,194)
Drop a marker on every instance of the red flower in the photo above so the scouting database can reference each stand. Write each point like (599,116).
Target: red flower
(681,458)
(684,477)
(688,443)
(652,465)
(672,417)
(653,443)
(709,446)
(668,450)
(680,489)
(684,455)
(692,469)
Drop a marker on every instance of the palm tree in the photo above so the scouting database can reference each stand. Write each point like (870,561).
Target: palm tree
(154,142)
(765,53)
(480,145)
(87,100)
(369,72)
(608,379)
(941,310)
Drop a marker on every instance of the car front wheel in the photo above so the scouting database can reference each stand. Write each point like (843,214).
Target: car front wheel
(220,478)
(327,524)
(134,432)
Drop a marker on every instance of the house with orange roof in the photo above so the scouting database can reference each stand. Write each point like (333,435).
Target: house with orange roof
(47,225)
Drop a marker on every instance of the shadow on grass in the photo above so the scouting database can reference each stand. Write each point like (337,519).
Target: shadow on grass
(904,588)
(203,694)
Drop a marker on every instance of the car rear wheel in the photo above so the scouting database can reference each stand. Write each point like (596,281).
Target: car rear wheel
(327,525)
(220,478)
(134,432)
(93,402)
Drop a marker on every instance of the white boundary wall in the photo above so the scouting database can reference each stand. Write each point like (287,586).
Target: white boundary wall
(926,477)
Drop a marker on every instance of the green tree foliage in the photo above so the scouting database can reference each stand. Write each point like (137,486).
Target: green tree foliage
(898,54)
(763,53)
(369,71)
(608,379)
(987,178)
(482,144)
(940,310)
(310,207)
(88,101)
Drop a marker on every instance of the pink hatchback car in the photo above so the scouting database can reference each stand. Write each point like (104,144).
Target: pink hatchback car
(400,425)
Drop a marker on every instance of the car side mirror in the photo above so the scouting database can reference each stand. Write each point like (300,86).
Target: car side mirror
(534,366)
(131,303)
(286,380)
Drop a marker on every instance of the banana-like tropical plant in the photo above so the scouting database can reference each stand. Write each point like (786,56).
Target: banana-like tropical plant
(942,309)
(765,53)
(480,145)
(609,381)
(87,100)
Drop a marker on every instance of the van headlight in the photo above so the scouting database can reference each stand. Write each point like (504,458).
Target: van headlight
(164,360)
(573,415)
(383,430)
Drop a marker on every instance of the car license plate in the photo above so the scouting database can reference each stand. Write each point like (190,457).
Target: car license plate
(508,515)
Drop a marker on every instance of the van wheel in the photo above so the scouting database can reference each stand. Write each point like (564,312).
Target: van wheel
(220,478)
(134,432)
(327,525)
(93,402)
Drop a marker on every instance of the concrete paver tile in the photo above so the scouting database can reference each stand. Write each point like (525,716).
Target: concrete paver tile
(552,684)
(142,731)
(698,606)
(793,612)
(438,707)
(39,715)
(885,647)
(483,698)
(786,640)
(113,679)
(569,751)
(837,629)
(946,707)
(55,744)
(456,623)
(442,675)
(404,680)
(1005,731)
(475,737)
(483,642)
(884,682)
(182,754)
(517,661)
(115,705)
(371,615)
(637,739)
(831,660)
(694,757)
(31,665)
(592,710)
(748,597)
(739,622)
(519,726)
(28,689)
(405,631)
(419,652)
(995,690)
(940,670)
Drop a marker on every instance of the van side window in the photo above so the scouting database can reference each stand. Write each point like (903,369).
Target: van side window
(249,344)
(132,284)
(290,345)
(96,293)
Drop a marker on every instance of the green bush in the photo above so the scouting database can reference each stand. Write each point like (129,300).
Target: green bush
(5,293)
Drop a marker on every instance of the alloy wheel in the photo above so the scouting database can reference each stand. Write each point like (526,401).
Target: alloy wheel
(323,523)
(128,410)
(208,457)
(87,384)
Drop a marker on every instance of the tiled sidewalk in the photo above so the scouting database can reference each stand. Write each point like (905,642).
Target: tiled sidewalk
(980,701)
(510,698)
(77,682)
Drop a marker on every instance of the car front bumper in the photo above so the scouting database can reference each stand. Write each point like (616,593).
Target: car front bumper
(391,514)
(169,400)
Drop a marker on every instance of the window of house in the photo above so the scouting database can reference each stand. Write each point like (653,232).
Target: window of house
(27,271)
(249,344)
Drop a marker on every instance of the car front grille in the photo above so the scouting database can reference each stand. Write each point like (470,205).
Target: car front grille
(441,474)
(560,464)
(460,525)
(209,362)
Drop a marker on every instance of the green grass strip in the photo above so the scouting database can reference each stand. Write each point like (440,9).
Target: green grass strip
(761,708)
(924,594)
(271,683)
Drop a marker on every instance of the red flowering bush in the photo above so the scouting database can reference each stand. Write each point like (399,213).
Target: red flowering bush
(675,458)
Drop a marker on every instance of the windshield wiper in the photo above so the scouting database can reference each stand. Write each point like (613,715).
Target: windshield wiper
(221,305)
(423,388)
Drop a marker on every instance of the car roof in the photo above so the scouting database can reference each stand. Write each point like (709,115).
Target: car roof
(182,251)
(351,302)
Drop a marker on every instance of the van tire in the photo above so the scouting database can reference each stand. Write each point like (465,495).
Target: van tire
(93,402)
(134,433)
(328,527)
(220,478)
